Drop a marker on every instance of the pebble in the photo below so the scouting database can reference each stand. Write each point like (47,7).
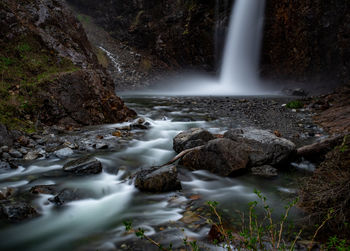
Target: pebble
(64,153)
(4,148)
(5,155)
(16,154)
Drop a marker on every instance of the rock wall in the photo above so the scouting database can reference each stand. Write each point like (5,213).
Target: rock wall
(303,40)
(49,71)
(307,40)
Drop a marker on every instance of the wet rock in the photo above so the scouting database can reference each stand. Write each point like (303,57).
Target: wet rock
(191,138)
(32,155)
(139,123)
(318,150)
(101,146)
(65,196)
(15,211)
(5,136)
(220,156)
(264,147)
(6,156)
(44,189)
(157,179)
(64,153)
(15,153)
(23,140)
(4,165)
(265,171)
(83,166)
(6,192)
(5,148)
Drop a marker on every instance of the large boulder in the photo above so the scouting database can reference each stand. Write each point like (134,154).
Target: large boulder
(157,179)
(191,138)
(264,147)
(221,156)
(83,166)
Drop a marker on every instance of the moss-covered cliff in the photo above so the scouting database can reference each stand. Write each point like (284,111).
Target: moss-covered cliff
(49,73)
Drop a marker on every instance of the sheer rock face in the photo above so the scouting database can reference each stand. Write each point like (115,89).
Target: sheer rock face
(81,94)
(303,40)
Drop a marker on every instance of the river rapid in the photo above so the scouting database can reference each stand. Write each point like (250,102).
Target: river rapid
(94,220)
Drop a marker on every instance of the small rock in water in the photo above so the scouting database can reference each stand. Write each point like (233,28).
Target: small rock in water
(65,196)
(265,171)
(156,179)
(64,153)
(15,211)
(101,146)
(44,189)
(83,166)
(6,192)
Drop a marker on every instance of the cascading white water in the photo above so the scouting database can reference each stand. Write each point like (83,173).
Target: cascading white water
(241,54)
(239,67)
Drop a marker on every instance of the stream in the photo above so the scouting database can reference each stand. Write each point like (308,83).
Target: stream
(94,220)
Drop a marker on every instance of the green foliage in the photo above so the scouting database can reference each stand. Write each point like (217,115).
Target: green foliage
(256,233)
(24,65)
(334,243)
(295,104)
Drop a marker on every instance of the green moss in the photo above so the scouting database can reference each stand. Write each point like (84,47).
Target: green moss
(84,18)
(25,64)
(295,104)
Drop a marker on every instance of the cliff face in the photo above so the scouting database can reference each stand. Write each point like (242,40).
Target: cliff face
(307,40)
(49,72)
(180,33)
(303,40)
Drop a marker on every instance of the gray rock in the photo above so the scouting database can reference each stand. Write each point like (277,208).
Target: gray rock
(5,136)
(191,138)
(15,211)
(65,196)
(263,146)
(157,179)
(6,156)
(32,155)
(101,146)
(219,156)
(16,154)
(5,149)
(44,189)
(265,171)
(83,166)
(23,150)
(64,153)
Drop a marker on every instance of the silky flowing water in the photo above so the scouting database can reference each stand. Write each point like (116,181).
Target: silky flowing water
(94,222)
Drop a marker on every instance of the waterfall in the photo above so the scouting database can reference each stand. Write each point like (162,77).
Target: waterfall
(241,54)
(239,67)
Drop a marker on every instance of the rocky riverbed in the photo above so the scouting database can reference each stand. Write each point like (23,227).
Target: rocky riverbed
(58,173)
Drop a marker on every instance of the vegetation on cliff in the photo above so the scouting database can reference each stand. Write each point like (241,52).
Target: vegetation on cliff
(46,62)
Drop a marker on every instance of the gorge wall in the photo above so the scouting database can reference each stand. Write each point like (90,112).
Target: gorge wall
(303,40)
(49,73)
